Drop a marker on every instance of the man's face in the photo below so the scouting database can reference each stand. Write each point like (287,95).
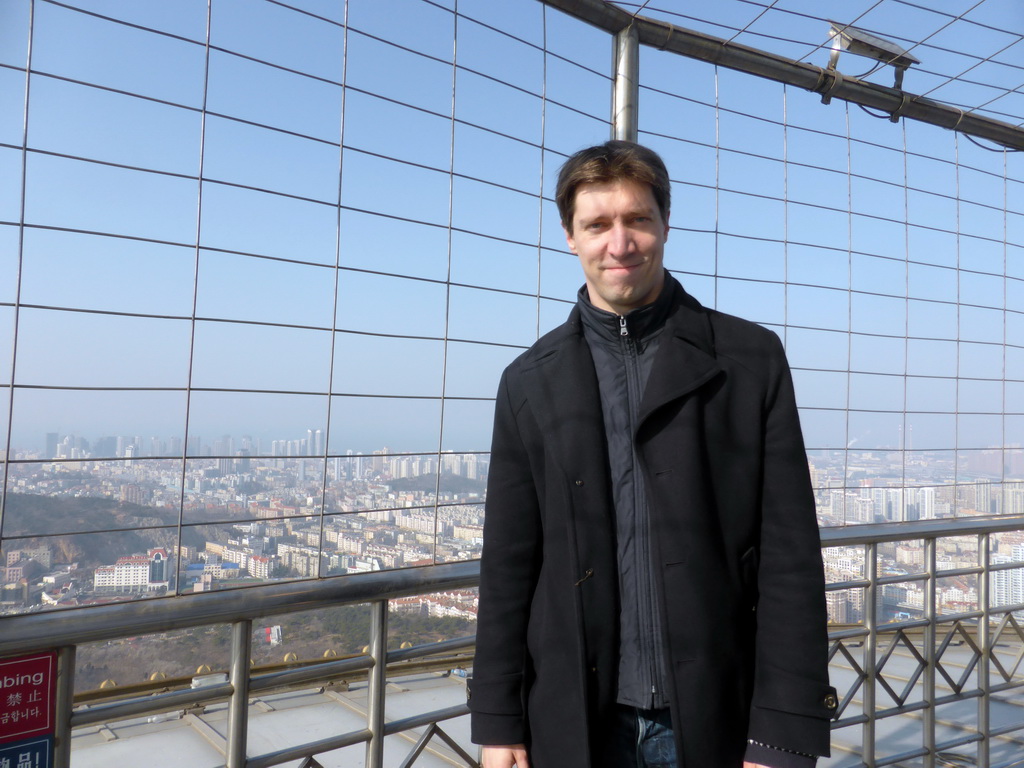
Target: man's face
(619,235)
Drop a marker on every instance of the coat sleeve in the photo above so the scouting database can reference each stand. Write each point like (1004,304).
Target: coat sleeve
(508,576)
(792,702)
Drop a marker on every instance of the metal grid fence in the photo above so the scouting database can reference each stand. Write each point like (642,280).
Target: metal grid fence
(266,262)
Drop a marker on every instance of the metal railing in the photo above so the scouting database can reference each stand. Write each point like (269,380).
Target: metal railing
(926,639)
(239,608)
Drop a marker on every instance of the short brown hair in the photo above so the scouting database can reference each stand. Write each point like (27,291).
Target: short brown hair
(612,161)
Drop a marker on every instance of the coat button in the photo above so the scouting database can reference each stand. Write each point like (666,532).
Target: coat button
(830,701)
(579,482)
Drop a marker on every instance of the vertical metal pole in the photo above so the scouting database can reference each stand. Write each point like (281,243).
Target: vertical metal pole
(64,704)
(378,681)
(928,639)
(985,644)
(238,708)
(626,84)
(871,595)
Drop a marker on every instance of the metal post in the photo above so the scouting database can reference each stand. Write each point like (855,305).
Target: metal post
(985,645)
(626,85)
(376,684)
(238,708)
(703,47)
(928,640)
(870,651)
(64,705)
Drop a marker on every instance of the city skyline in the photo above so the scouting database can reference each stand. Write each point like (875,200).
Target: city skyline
(260,518)
(61,446)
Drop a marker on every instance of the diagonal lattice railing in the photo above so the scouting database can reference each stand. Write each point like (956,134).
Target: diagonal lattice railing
(897,663)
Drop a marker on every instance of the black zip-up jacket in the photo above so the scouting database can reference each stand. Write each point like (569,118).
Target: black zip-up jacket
(623,348)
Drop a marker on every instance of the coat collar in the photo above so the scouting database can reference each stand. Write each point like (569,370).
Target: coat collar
(686,358)
(638,324)
(687,319)
(561,372)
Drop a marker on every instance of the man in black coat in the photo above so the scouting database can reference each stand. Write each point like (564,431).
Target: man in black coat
(651,590)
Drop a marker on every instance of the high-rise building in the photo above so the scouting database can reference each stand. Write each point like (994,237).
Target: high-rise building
(1007,586)
(243,464)
(315,442)
(926,503)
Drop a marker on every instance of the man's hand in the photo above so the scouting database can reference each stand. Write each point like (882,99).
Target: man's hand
(505,756)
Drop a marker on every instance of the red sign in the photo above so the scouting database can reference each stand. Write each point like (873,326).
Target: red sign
(28,695)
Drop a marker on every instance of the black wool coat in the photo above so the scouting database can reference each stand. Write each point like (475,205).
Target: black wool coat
(735,544)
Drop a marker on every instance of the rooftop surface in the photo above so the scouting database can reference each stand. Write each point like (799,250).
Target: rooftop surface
(278,721)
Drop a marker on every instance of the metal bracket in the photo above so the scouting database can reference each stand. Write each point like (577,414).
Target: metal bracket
(826,93)
(898,112)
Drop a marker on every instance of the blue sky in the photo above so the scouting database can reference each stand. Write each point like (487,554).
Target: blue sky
(779,216)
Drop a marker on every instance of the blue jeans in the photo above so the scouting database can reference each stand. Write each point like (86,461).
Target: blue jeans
(643,739)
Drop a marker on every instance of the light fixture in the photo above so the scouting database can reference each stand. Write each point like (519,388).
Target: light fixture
(863,43)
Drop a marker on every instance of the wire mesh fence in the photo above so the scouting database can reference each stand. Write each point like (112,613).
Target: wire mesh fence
(264,262)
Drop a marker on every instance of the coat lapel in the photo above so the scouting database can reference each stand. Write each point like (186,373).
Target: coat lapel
(565,399)
(685,359)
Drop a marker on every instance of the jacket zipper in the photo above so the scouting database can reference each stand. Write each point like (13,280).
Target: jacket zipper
(644,566)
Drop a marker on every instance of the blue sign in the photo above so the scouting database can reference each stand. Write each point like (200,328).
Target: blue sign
(30,753)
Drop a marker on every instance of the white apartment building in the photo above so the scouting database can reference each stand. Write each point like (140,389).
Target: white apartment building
(136,573)
(1007,586)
